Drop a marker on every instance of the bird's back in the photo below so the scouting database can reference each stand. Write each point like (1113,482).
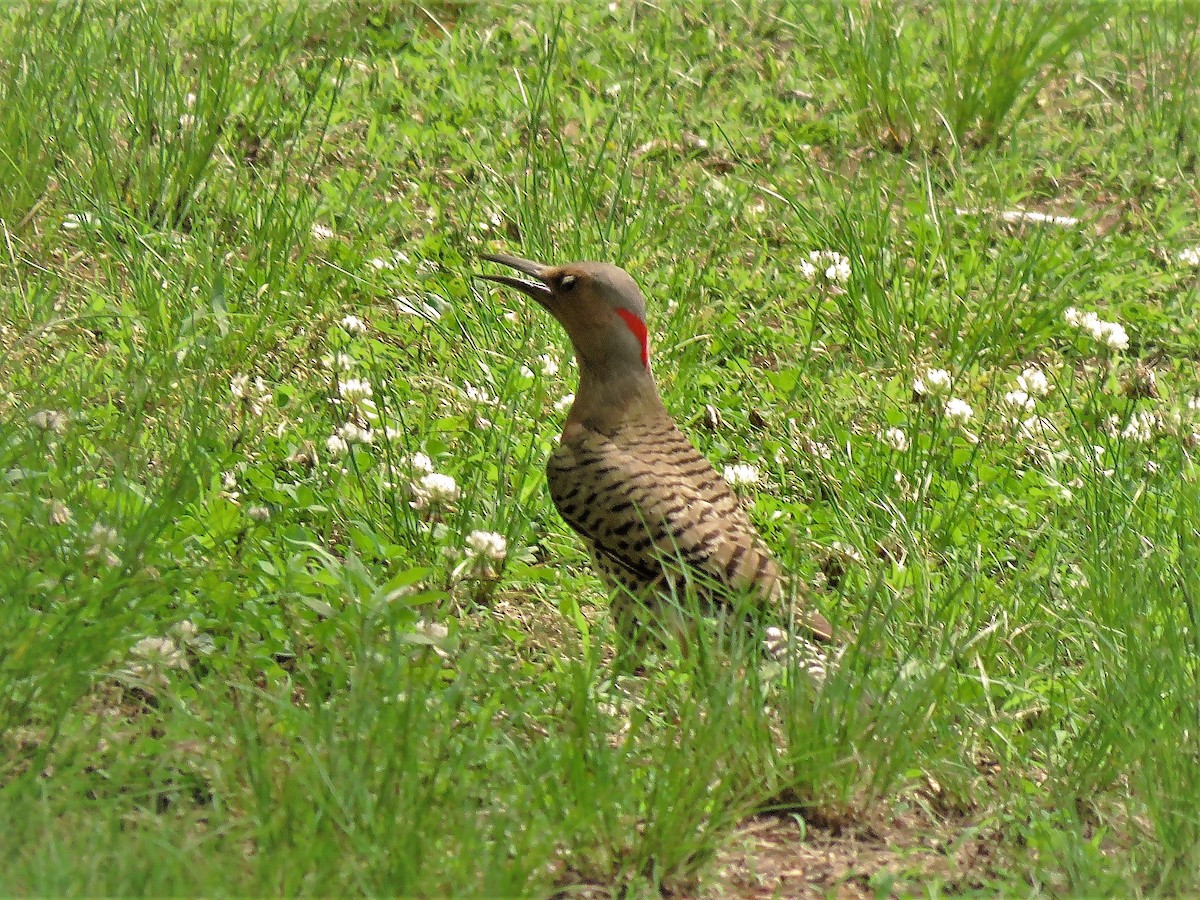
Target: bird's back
(642,496)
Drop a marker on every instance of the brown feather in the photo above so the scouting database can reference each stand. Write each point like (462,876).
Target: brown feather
(643,496)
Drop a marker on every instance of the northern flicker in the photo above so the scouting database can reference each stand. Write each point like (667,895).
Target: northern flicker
(640,495)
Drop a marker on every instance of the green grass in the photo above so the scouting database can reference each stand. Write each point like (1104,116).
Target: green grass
(220,671)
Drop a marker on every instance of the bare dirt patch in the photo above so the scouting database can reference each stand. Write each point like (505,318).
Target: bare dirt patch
(782,856)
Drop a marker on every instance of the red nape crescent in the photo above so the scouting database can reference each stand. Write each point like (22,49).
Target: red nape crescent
(638,327)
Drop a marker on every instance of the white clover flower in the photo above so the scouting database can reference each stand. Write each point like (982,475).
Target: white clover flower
(1190,257)
(103,542)
(563,403)
(420,463)
(336,444)
(825,267)
(548,367)
(258,513)
(487,545)
(255,395)
(1019,400)
(957,411)
(322,232)
(379,263)
(1092,324)
(341,361)
(353,433)
(741,474)
(432,488)
(934,383)
(57,512)
(75,221)
(159,652)
(353,324)
(1141,427)
(478,395)
(896,439)
(1110,334)
(229,485)
(49,420)
(355,390)
(190,637)
(1033,381)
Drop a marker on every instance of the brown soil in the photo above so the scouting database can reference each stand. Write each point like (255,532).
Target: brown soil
(782,856)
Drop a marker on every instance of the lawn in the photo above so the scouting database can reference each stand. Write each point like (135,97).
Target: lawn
(285,606)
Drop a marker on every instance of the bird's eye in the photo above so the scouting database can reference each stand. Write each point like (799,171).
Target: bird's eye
(567,283)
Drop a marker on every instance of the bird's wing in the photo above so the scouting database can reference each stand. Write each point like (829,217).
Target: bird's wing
(647,495)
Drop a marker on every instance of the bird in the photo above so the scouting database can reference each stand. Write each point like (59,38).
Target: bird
(649,507)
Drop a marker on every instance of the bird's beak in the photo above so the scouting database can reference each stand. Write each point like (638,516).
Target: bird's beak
(535,289)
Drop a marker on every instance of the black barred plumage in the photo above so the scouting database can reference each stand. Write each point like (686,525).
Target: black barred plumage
(647,479)
(624,476)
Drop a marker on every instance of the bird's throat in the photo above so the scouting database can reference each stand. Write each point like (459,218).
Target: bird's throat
(607,398)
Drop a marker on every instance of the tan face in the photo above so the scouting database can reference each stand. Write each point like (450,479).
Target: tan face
(599,305)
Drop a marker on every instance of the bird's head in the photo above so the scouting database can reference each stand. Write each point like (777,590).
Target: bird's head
(599,305)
